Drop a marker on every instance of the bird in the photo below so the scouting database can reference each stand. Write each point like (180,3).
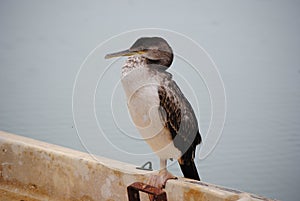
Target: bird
(160,111)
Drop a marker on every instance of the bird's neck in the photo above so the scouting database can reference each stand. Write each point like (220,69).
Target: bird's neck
(133,63)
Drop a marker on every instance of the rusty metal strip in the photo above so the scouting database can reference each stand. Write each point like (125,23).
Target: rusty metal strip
(133,192)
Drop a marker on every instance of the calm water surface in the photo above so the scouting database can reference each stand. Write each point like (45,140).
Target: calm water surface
(255,45)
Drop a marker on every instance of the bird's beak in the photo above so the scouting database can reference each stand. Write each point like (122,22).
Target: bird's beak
(123,53)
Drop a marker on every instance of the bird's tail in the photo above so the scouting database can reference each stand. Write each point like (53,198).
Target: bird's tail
(189,170)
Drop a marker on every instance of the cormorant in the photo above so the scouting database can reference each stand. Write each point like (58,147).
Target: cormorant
(158,108)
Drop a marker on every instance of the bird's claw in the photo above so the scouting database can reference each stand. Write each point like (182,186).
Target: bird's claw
(160,180)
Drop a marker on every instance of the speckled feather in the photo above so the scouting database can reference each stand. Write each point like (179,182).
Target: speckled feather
(179,118)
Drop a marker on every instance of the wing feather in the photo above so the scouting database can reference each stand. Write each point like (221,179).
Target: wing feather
(179,118)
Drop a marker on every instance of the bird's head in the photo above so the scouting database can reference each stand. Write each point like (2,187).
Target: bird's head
(155,50)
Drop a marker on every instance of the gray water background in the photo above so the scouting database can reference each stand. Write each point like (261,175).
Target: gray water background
(255,45)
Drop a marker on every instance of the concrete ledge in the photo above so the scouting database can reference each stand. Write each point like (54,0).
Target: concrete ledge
(42,171)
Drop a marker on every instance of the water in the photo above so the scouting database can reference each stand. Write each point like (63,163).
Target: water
(254,44)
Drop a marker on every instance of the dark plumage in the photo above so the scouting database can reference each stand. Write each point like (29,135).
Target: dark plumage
(157,49)
(180,119)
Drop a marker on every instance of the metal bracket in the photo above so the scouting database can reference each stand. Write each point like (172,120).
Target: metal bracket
(133,192)
(144,167)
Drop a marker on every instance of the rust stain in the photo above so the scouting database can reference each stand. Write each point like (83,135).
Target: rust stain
(5,195)
(86,198)
(232,198)
(31,189)
(1,174)
(32,192)
(117,173)
(89,165)
(52,157)
(195,195)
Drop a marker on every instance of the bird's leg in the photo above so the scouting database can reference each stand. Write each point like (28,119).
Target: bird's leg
(163,176)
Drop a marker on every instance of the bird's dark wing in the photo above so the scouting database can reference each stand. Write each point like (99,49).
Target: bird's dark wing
(179,118)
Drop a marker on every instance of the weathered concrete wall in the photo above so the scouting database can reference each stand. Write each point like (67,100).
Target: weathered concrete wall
(49,172)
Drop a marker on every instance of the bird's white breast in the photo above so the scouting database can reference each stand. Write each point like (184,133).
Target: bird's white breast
(143,101)
(141,89)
